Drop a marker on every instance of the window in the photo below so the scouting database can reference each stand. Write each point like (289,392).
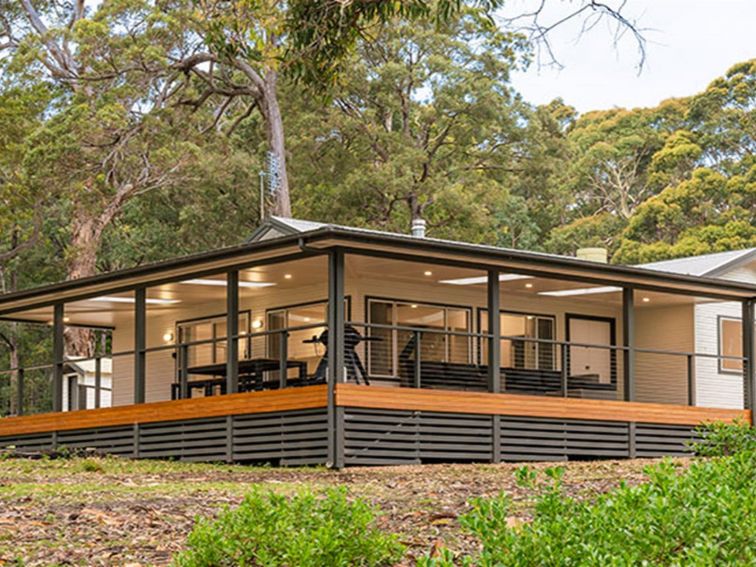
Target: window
(525,354)
(384,355)
(730,344)
(303,315)
(213,331)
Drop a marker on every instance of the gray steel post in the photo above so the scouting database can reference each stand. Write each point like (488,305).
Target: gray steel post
(232,332)
(749,356)
(628,341)
(140,342)
(58,356)
(335,355)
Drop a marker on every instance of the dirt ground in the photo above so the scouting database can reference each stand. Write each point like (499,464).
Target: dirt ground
(107,511)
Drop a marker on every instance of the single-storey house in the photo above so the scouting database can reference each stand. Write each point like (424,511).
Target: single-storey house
(315,343)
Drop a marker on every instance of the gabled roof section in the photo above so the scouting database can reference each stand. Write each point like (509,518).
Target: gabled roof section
(274,227)
(710,265)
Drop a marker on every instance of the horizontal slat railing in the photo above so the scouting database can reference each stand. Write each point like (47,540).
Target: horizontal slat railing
(384,397)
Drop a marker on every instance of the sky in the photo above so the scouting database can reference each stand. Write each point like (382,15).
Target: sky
(689,43)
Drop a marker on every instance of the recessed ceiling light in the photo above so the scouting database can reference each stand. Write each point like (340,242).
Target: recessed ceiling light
(414,306)
(529,285)
(287,276)
(581,291)
(428,273)
(152,301)
(646,299)
(223,283)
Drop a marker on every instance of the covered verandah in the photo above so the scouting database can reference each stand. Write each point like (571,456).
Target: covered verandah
(374,341)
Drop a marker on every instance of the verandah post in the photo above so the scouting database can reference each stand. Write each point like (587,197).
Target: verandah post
(140,334)
(749,356)
(335,356)
(494,357)
(58,355)
(628,342)
(232,331)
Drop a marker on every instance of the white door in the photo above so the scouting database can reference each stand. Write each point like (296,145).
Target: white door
(586,361)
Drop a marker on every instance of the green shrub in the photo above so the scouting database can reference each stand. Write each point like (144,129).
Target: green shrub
(269,529)
(705,515)
(720,439)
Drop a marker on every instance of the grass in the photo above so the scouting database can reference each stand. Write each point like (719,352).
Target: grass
(105,511)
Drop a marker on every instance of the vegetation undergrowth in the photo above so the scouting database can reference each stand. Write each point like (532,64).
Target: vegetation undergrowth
(704,515)
(305,529)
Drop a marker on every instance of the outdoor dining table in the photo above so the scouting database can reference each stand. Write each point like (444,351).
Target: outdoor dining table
(251,376)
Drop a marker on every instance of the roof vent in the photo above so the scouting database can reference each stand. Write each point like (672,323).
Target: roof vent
(418,228)
(593,255)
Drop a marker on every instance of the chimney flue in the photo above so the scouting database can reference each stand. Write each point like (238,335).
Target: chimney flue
(593,255)
(418,228)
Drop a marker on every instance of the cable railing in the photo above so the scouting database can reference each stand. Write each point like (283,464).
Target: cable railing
(393,354)
(530,365)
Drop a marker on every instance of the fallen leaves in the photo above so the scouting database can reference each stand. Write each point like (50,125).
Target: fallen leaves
(135,514)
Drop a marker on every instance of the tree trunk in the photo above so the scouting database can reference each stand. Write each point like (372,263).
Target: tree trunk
(276,141)
(85,240)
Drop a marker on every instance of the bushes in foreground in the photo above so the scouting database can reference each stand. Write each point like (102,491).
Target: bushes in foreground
(701,515)
(704,515)
(269,529)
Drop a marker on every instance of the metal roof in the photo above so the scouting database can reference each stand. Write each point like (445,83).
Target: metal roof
(705,264)
(313,237)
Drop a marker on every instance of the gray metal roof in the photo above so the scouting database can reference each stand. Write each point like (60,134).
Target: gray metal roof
(704,265)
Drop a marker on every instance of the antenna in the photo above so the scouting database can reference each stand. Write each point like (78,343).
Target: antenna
(273,172)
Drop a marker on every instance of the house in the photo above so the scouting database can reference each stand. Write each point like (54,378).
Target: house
(716,325)
(315,343)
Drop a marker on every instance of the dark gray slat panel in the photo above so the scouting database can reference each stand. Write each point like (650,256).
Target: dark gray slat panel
(452,421)
(177,453)
(445,456)
(183,439)
(100,433)
(657,439)
(272,418)
(187,429)
(376,462)
(361,436)
(518,457)
(519,442)
(532,434)
(677,447)
(378,411)
(292,445)
(219,443)
(619,453)
(280,439)
(279,432)
(379,452)
(664,439)
(411,428)
(383,454)
(95,438)
(597,429)
(599,442)
(625,439)
(665,432)
(665,427)
(273,429)
(380,426)
(379,418)
(288,454)
(424,446)
(536,449)
(42,441)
